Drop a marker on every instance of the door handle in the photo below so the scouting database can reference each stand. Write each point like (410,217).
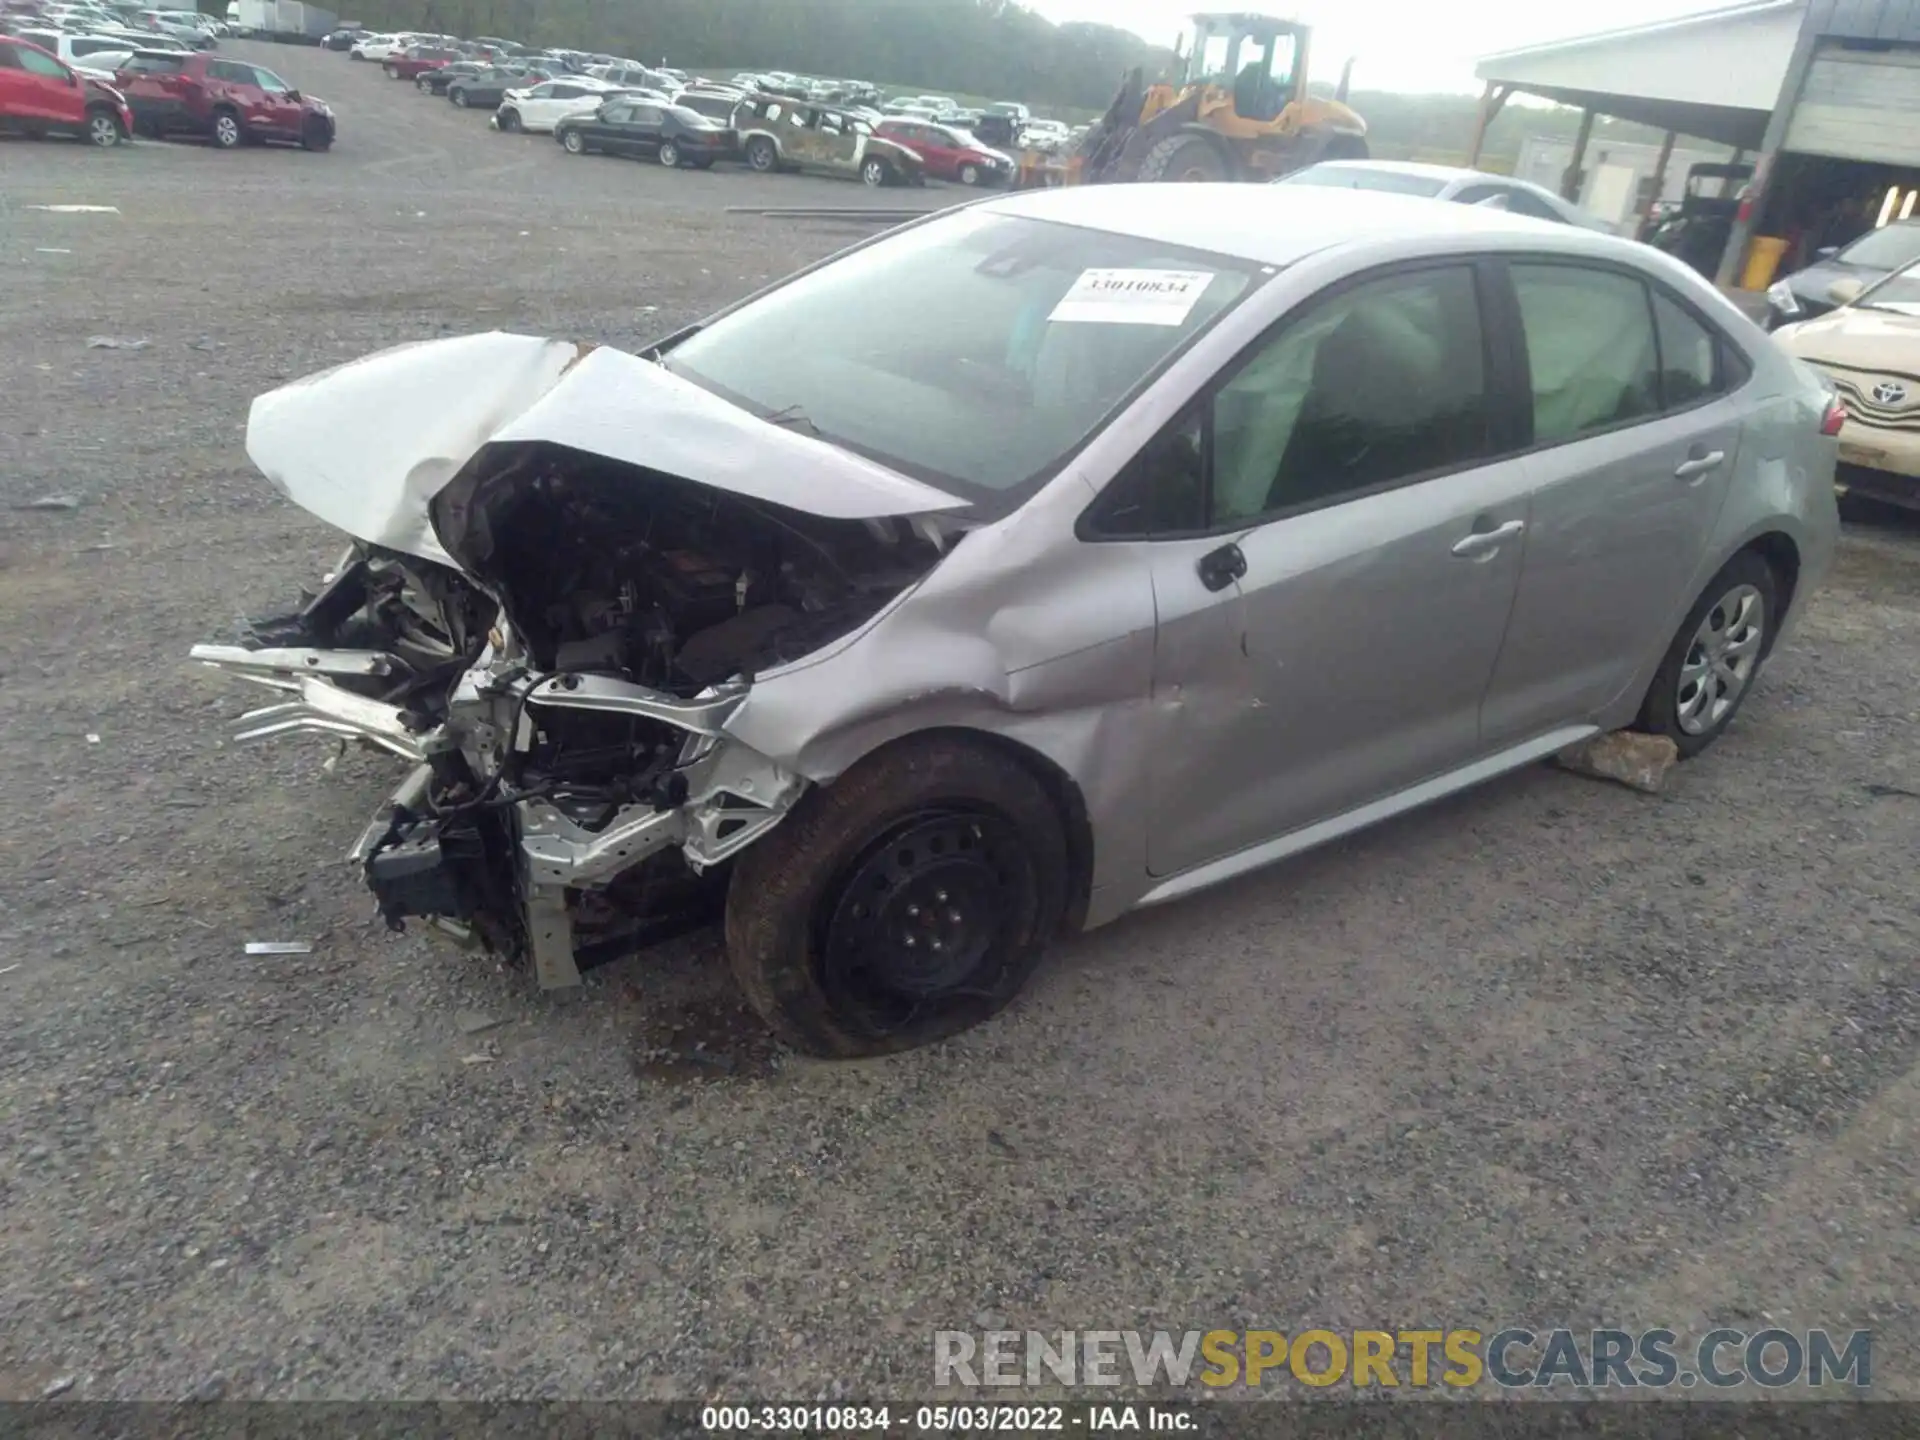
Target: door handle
(1220,568)
(1700,464)
(1485,542)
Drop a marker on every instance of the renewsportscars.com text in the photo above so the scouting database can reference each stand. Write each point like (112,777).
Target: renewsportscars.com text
(1511,1358)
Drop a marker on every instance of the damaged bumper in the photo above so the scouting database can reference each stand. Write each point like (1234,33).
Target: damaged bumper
(518,861)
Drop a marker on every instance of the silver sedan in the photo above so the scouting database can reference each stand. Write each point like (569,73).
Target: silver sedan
(1049,558)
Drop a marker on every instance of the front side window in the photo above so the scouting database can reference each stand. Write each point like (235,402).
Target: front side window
(34,63)
(1590,347)
(10,57)
(269,82)
(1379,384)
(977,352)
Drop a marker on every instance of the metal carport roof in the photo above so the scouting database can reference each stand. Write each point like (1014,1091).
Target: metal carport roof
(1716,74)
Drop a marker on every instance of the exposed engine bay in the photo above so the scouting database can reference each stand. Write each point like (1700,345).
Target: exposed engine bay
(575,794)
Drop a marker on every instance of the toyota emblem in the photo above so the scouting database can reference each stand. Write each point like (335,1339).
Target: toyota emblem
(1889,392)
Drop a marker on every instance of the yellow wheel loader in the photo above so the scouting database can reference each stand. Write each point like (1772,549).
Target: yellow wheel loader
(1237,109)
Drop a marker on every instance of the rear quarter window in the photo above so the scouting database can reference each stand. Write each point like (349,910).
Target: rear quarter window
(156,65)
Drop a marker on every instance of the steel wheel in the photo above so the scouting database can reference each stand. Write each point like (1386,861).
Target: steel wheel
(874,172)
(226,130)
(1720,662)
(670,155)
(969,175)
(573,143)
(922,916)
(103,130)
(459,97)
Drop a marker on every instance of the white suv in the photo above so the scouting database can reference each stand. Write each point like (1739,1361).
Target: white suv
(540,107)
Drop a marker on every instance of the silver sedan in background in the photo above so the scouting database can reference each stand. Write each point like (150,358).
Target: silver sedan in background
(1045,559)
(1446,182)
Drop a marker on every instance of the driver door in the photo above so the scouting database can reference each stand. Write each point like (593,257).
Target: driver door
(279,104)
(1330,619)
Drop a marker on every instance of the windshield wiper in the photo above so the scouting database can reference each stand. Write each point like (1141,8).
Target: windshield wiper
(792,417)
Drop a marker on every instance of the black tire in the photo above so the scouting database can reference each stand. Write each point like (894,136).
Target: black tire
(876,172)
(1187,159)
(229,130)
(969,174)
(795,923)
(763,155)
(352,56)
(510,121)
(392,74)
(423,85)
(458,97)
(573,142)
(103,127)
(670,155)
(1665,709)
(316,135)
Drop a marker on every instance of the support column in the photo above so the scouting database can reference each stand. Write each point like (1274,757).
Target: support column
(1733,258)
(1656,187)
(1491,99)
(1571,181)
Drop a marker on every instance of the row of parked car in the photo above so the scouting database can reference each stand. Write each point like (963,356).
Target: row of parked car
(623,108)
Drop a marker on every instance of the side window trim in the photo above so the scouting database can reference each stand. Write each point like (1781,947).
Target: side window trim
(1508,398)
(1726,381)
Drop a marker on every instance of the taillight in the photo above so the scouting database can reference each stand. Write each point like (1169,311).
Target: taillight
(1835,417)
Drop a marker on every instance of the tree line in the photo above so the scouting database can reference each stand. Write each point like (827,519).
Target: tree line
(992,48)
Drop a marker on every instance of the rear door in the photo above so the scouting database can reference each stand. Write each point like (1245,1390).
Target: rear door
(1635,439)
(640,135)
(229,82)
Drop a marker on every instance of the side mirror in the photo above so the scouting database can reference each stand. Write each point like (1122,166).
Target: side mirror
(293,95)
(1845,290)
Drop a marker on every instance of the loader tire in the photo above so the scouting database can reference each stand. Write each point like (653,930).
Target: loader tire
(1187,159)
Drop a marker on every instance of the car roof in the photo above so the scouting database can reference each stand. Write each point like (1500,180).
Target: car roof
(1273,224)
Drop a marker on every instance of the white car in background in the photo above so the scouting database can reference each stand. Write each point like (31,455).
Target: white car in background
(1447,182)
(103,65)
(540,107)
(378,47)
(75,50)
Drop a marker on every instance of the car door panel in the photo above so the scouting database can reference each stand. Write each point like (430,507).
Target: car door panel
(1620,519)
(1348,662)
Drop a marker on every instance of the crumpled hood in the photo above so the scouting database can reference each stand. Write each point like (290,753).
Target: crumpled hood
(366,446)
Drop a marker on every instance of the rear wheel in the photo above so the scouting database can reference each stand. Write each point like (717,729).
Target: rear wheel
(228,132)
(510,121)
(458,97)
(423,85)
(904,903)
(103,127)
(670,155)
(762,155)
(1185,159)
(1714,659)
(876,172)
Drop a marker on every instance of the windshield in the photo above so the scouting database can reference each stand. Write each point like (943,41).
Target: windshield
(976,352)
(1357,177)
(1885,249)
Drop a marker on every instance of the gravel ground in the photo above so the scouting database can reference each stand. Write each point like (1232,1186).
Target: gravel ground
(1552,1052)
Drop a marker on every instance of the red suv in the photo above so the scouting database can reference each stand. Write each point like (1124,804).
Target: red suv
(951,154)
(41,96)
(230,102)
(417,60)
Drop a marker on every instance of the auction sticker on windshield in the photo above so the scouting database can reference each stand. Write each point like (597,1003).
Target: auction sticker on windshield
(1132,297)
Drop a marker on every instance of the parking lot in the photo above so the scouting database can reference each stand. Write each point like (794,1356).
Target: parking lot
(1550,1053)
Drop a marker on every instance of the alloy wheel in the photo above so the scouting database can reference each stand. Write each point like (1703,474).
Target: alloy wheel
(574,144)
(1721,660)
(670,155)
(226,131)
(103,130)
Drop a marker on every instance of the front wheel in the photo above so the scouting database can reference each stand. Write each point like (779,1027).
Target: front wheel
(510,121)
(905,902)
(392,74)
(969,174)
(317,135)
(573,143)
(423,85)
(1714,659)
(875,173)
(761,155)
(458,97)
(103,129)
(227,132)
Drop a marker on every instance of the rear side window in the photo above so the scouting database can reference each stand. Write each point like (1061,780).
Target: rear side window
(228,71)
(34,63)
(156,65)
(1523,202)
(1590,349)
(1690,367)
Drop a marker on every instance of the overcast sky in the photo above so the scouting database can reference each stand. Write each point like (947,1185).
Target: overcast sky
(1399,44)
